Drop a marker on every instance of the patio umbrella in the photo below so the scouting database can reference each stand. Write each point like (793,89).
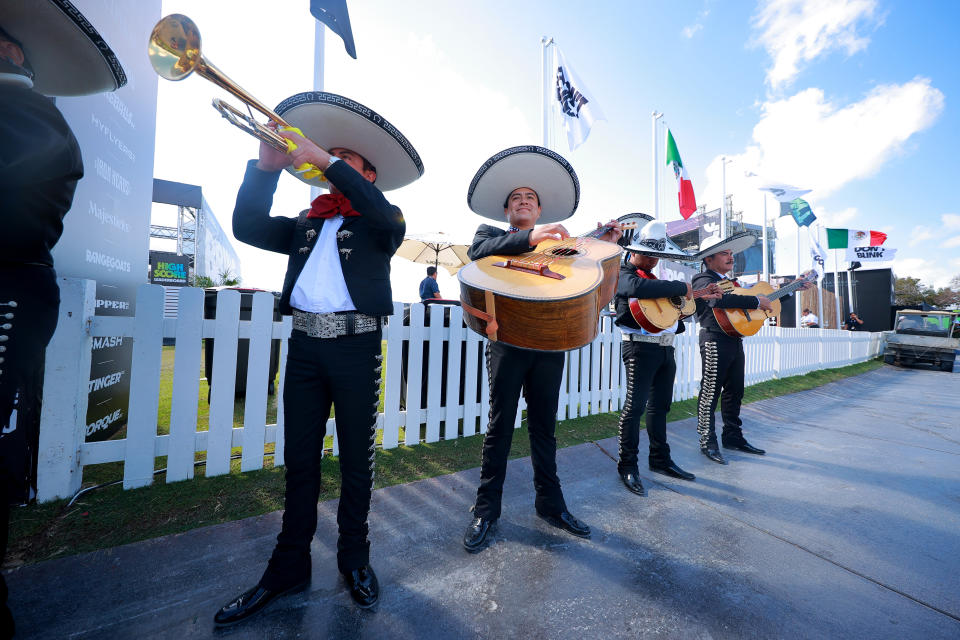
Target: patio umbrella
(437,248)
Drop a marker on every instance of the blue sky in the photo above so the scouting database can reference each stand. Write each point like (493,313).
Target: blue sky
(851,98)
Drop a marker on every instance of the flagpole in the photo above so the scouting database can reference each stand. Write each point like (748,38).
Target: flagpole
(723,201)
(654,116)
(796,298)
(820,276)
(318,47)
(836,287)
(545,43)
(766,261)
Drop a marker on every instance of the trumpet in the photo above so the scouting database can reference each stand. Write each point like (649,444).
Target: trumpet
(174,51)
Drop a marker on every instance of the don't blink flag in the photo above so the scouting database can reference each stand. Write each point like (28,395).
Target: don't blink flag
(577,107)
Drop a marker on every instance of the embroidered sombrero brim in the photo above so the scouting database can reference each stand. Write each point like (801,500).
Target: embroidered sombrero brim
(69,57)
(652,241)
(538,168)
(639,219)
(736,243)
(333,121)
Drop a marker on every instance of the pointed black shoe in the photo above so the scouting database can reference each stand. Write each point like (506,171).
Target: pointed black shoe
(250,602)
(475,537)
(566,521)
(746,447)
(363,585)
(632,482)
(673,471)
(714,454)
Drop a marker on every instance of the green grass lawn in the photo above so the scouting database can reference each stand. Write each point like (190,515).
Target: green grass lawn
(111,516)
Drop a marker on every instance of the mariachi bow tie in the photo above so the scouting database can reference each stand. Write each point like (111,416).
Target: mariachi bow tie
(331,204)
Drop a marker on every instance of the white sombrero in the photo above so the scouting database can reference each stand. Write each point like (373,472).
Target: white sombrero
(334,121)
(538,168)
(736,243)
(651,240)
(68,56)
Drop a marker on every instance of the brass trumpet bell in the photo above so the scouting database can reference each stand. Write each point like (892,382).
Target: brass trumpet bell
(174,51)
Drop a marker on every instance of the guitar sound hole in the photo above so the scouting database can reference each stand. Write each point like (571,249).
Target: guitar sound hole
(564,252)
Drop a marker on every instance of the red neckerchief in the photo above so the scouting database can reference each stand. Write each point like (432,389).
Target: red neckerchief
(643,273)
(331,204)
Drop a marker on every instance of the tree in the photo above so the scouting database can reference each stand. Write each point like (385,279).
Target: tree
(225,279)
(911,292)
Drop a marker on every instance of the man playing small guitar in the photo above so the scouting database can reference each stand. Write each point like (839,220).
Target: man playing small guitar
(648,354)
(524,185)
(722,354)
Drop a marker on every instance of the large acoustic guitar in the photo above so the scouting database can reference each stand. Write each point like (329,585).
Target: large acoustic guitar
(740,323)
(657,314)
(548,299)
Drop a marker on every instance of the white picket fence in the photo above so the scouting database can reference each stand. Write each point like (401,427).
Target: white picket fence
(592,381)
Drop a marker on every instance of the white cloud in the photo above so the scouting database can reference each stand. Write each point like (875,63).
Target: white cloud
(933,272)
(951,220)
(952,242)
(798,31)
(691,30)
(920,234)
(807,141)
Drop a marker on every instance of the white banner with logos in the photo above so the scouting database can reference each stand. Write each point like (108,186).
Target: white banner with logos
(878,254)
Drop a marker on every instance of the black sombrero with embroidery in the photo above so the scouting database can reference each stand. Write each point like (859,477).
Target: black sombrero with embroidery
(331,121)
(545,171)
(68,55)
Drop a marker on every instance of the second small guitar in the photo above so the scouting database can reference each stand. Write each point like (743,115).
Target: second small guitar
(657,314)
(739,323)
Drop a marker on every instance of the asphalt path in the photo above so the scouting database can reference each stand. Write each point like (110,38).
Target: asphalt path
(849,527)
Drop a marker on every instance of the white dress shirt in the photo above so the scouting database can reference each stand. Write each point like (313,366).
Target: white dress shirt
(320,287)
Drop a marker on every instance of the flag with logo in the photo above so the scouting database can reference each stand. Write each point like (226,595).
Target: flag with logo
(785,193)
(801,212)
(870,254)
(818,255)
(844,238)
(578,109)
(688,203)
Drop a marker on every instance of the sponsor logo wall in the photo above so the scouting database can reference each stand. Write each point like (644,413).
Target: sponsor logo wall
(106,233)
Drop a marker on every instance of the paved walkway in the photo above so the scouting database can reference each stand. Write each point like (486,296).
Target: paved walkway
(848,528)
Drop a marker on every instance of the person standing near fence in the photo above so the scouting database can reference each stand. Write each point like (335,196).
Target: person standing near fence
(47,48)
(722,355)
(337,288)
(648,356)
(525,185)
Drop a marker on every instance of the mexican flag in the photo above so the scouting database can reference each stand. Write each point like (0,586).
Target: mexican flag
(843,238)
(688,203)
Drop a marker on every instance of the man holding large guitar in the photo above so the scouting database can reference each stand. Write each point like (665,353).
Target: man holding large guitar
(721,345)
(647,350)
(524,185)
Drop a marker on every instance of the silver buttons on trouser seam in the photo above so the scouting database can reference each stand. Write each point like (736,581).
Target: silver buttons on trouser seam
(6,326)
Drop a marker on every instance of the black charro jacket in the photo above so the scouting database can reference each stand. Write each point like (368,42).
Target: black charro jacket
(40,164)
(631,285)
(705,308)
(366,242)
(491,241)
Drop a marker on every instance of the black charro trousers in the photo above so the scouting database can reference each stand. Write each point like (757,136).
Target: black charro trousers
(651,370)
(538,374)
(723,368)
(343,372)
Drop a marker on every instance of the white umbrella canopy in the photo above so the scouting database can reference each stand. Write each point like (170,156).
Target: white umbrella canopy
(437,248)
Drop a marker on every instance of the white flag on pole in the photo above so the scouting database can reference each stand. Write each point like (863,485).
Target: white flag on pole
(819,256)
(578,109)
(870,254)
(784,192)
